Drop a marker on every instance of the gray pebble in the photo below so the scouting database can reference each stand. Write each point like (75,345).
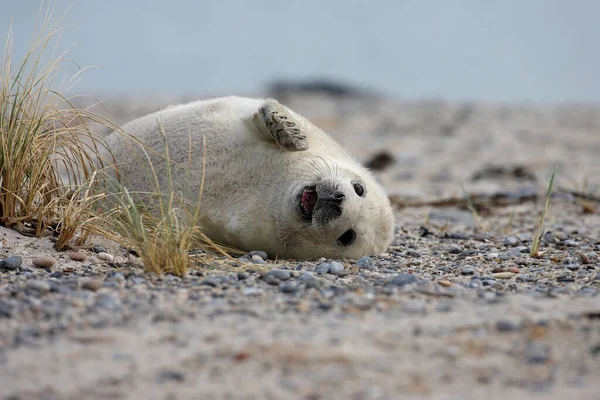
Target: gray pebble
(251,291)
(454,249)
(458,235)
(335,268)
(210,282)
(309,280)
(403,279)
(11,263)
(537,353)
(511,241)
(413,253)
(272,280)
(365,262)
(467,270)
(99,249)
(259,253)
(322,269)
(506,326)
(242,276)
(288,287)
(170,376)
(256,259)
(40,286)
(280,274)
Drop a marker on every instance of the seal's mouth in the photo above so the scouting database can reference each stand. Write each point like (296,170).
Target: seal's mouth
(308,201)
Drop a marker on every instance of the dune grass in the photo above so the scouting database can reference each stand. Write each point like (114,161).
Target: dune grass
(535,245)
(46,145)
(53,179)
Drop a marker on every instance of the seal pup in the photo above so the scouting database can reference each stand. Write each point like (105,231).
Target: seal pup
(273,180)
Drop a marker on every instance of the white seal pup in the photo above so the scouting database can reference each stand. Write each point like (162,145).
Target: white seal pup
(273,180)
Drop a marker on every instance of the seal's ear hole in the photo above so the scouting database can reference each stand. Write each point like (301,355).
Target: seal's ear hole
(359,189)
(347,238)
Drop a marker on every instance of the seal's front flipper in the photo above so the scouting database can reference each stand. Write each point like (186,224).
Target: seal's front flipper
(279,123)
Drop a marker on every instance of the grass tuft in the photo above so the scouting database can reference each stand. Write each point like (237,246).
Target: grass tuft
(46,145)
(535,245)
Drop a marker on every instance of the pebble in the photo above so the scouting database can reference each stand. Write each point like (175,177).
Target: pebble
(454,249)
(242,276)
(503,275)
(280,274)
(44,262)
(365,262)
(259,253)
(322,269)
(77,256)
(403,279)
(11,263)
(458,235)
(506,326)
(514,270)
(413,253)
(467,270)
(256,259)
(99,249)
(335,268)
(584,259)
(105,256)
(309,280)
(511,241)
(272,280)
(92,284)
(444,283)
(288,287)
(40,286)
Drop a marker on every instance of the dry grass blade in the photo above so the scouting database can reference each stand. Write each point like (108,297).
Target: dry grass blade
(159,225)
(535,245)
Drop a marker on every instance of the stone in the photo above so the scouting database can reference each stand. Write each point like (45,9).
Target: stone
(40,286)
(259,253)
(365,262)
(105,256)
(44,262)
(403,279)
(288,287)
(503,275)
(322,269)
(93,284)
(467,270)
(11,263)
(77,256)
(98,248)
(280,274)
(256,259)
(511,241)
(335,268)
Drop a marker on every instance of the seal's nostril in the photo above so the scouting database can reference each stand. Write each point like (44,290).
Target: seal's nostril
(339,197)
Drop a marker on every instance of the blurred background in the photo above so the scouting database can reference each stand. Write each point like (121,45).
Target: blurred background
(509,50)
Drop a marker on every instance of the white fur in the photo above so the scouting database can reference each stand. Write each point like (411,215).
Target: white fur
(251,183)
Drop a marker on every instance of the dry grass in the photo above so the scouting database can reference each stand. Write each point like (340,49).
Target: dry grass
(46,145)
(161,227)
(535,245)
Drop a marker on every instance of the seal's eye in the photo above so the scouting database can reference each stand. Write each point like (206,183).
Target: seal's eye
(359,189)
(347,238)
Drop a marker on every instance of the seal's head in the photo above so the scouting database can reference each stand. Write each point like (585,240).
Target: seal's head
(337,211)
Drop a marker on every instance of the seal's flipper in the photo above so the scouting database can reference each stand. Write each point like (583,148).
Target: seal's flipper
(280,124)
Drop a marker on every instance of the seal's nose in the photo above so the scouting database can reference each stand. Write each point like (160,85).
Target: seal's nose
(333,204)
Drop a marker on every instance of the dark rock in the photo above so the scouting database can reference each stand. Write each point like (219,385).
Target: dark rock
(11,263)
